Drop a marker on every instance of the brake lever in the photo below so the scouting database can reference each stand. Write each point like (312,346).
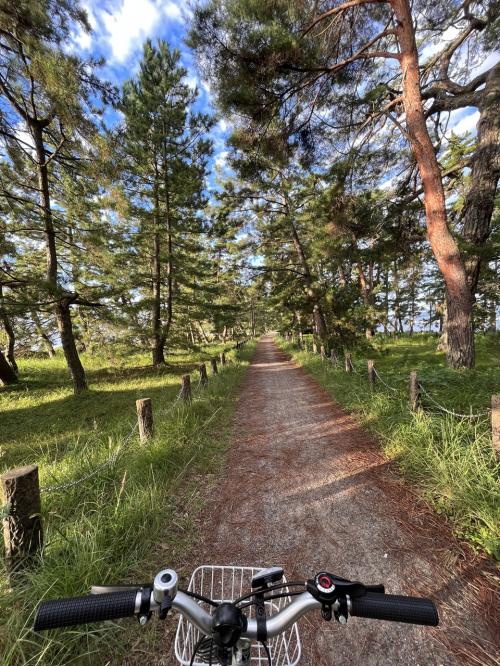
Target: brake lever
(333,592)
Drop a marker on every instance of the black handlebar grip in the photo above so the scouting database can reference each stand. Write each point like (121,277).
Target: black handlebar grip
(413,610)
(80,610)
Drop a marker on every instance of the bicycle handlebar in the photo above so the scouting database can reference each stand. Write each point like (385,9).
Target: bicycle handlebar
(81,610)
(395,608)
(114,605)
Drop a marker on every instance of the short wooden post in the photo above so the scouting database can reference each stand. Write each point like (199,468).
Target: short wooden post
(145,418)
(414,392)
(213,361)
(222,358)
(322,352)
(22,528)
(371,373)
(203,374)
(315,347)
(333,357)
(495,423)
(347,362)
(186,388)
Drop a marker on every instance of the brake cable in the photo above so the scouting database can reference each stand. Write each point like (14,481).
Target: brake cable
(271,588)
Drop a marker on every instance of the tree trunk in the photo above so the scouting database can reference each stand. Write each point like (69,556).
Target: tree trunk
(45,338)
(11,341)
(170,268)
(156,324)
(65,327)
(7,374)
(366,295)
(318,316)
(62,310)
(445,249)
(9,331)
(485,172)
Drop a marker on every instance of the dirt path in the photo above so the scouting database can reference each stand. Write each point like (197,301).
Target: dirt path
(306,488)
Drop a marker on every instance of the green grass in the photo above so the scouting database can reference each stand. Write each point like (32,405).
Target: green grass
(451,460)
(128,521)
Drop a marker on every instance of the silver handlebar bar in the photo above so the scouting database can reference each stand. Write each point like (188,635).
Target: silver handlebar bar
(276,624)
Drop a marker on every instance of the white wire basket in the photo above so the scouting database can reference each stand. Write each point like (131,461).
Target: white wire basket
(224,583)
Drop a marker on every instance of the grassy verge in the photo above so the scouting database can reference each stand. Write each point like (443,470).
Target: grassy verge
(451,460)
(119,524)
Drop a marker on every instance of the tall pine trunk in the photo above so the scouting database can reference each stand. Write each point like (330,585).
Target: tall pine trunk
(170,265)
(460,352)
(485,172)
(9,331)
(318,316)
(62,306)
(158,340)
(7,374)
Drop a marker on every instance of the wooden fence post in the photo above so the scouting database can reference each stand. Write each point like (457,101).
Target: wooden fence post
(145,418)
(213,361)
(22,528)
(186,388)
(348,362)
(371,373)
(203,374)
(322,352)
(315,347)
(495,423)
(333,357)
(414,392)
(222,358)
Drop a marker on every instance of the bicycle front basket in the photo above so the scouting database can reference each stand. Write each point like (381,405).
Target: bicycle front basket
(225,583)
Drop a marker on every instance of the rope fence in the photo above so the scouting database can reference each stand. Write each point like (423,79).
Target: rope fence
(23,530)
(416,389)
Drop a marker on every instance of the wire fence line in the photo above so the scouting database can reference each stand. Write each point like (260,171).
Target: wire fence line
(451,412)
(336,361)
(117,454)
(377,375)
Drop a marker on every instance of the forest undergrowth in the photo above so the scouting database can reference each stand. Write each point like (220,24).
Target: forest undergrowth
(451,460)
(127,521)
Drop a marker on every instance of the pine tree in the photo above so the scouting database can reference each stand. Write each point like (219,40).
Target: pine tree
(48,100)
(164,168)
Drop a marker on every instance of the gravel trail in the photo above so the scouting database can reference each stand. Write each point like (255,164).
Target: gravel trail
(306,488)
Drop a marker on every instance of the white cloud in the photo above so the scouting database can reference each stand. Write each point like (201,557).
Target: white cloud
(221,159)
(191,81)
(171,10)
(431,49)
(132,21)
(222,125)
(487,63)
(463,124)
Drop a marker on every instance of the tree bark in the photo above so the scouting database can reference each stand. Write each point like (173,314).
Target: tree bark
(61,308)
(366,296)
(485,172)
(7,374)
(156,324)
(460,332)
(65,327)
(319,318)
(9,331)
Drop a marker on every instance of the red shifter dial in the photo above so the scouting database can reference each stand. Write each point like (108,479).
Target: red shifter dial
(324,583)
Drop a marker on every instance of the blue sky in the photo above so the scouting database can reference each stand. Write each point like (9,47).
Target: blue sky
(119,29)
